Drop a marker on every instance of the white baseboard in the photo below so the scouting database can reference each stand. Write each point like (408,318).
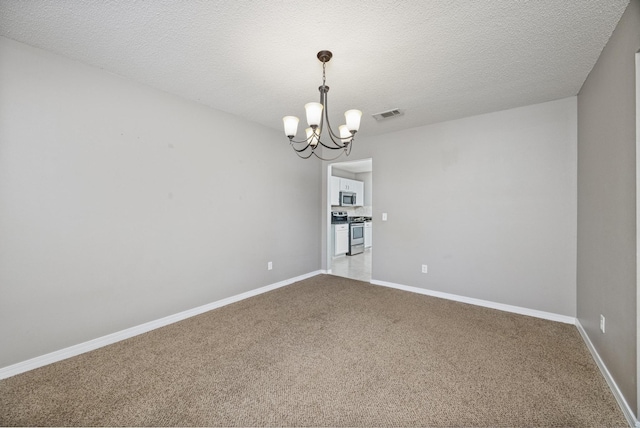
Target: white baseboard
(90,345)
(109,339)
(478,302)
(624,406)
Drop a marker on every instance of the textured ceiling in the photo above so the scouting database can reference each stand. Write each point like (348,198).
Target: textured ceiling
(436,60)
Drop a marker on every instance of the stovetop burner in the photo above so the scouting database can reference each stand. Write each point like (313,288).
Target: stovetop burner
(359,219)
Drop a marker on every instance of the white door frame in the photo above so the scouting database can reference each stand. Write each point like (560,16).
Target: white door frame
(637,409)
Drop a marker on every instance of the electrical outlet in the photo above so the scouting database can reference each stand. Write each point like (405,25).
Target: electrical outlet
(424,268)
(602,323)
(269,265)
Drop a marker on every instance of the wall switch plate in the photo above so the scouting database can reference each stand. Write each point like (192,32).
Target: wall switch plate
(424,268)
(269,265)
(602,323)
(384,216)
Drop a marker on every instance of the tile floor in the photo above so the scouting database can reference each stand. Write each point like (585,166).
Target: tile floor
(354,267)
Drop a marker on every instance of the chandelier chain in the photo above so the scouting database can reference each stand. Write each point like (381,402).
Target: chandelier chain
(324,78)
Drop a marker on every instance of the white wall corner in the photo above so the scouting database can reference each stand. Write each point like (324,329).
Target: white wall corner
(479,302)
(624,406)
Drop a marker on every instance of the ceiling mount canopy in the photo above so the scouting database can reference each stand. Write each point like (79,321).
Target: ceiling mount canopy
(324,56)
(317,116)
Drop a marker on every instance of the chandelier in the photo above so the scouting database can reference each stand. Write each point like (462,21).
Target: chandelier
(317,117)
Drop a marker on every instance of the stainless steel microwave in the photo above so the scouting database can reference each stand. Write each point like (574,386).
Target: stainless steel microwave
(347,199)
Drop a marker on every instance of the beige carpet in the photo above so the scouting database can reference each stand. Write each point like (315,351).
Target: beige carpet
(327,351)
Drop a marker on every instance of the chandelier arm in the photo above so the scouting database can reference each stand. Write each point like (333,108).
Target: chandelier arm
(336,147)
(329,159)
(313,153)
(306,140)
(304,157)
(346,150)
(302,149)
(332,135)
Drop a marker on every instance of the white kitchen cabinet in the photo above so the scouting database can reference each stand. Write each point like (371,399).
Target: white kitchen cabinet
(345,185)
(359,190)
(341,239)
(368,234)
(335,191)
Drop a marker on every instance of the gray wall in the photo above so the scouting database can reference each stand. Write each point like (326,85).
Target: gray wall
(607,203)
(120,204)
(487,202)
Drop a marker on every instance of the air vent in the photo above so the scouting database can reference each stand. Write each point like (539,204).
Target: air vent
(387,114)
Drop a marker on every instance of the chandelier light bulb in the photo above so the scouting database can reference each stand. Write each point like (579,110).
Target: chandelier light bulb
(312,137)
(290,126)
(314,113)
(353,119)
(345,134)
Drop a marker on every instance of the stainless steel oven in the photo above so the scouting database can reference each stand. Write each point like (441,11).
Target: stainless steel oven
(356,238)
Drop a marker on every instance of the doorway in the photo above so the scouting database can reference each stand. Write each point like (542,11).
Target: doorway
(351,175)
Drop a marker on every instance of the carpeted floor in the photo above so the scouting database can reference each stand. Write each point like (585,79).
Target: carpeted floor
(327,351)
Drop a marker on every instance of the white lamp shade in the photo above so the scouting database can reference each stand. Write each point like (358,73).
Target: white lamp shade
(312,137)
(353,119)
(345,134)
(290,125)
(314,113)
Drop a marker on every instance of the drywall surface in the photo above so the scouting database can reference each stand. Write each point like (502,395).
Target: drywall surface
(607,203)
(488,203)
(121,204)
